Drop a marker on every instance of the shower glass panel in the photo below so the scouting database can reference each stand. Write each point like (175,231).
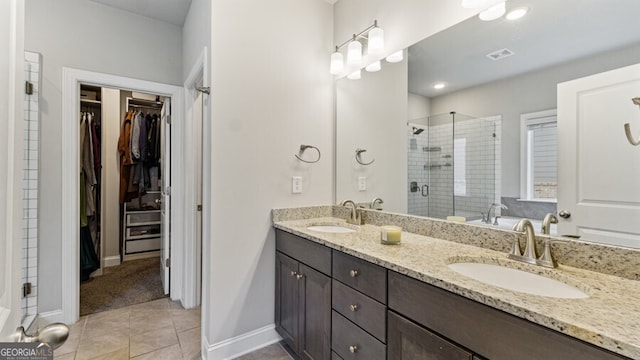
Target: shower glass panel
(453,161)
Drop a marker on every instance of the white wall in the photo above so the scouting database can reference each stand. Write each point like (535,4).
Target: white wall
(418,109)
(404,22)
(11,103)
(271,92)
(524,94)
(372,115)
(89,36)
(196,33)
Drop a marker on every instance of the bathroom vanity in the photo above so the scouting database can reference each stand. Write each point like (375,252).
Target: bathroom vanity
(346,296)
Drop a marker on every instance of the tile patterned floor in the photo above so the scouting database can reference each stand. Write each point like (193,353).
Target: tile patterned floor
(157,330)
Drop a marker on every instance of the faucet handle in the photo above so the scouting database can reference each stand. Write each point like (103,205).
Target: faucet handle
(515,248)
(495,220)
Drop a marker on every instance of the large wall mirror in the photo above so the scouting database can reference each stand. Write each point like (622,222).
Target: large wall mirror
(489,135)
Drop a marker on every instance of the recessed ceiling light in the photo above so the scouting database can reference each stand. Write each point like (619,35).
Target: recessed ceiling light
(438,86)
(517,13)
(494,12)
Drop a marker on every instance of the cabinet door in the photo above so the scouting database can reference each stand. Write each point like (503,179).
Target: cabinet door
(287,299)
(315,314)
(408,341)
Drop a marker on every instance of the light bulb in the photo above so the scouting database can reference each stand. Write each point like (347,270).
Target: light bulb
(395,57)
(337,63)
(356,75)
(354,53)
(493,12)
(374,66)
(376,41)
(438,86)
(517,13)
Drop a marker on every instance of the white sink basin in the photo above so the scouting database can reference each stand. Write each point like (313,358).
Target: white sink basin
(336,229)
(517,280)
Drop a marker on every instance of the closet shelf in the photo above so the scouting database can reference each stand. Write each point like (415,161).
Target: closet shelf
(90,101)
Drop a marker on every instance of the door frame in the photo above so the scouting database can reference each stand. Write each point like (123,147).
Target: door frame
(70,180)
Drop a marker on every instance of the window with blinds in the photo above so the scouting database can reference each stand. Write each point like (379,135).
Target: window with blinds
(540,158)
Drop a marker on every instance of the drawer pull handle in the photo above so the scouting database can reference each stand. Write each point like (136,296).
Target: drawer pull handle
(353,349)
(299,276)
(353,273)
(353,307)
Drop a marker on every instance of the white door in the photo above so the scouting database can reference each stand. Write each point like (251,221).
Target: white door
(165,169)
(598,169)
(197,124)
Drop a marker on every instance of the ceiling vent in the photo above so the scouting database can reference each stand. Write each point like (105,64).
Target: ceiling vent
(500,54)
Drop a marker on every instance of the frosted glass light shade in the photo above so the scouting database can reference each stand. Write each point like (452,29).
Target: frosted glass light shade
(376,41)
(374,66)
(493,12)
(337,63)
(354,53)
(395,57)
(356,75)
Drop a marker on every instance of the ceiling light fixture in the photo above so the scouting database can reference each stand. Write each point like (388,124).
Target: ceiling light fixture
(374,66)
(373,37)
(395,57)
(494,12)
(438,86)
(517,13)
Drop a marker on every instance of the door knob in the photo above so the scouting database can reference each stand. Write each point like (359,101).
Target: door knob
(564,214)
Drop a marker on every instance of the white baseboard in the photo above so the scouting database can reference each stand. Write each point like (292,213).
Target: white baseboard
(111,261)
(50,317)
(240,345)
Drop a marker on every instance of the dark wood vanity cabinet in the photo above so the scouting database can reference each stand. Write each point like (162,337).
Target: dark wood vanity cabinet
(303,297)
(486,331)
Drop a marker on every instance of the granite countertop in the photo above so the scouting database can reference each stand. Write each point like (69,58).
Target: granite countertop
(608,318)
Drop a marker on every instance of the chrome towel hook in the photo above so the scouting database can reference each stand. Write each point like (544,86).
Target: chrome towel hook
(302,150)
(627,127)
(359,159)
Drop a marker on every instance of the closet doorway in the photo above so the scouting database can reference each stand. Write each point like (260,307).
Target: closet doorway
(170,186)
(125,168)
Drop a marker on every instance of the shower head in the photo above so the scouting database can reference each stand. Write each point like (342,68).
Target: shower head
(417,131)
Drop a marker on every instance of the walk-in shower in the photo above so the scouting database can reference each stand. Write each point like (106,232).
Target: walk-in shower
(453,165)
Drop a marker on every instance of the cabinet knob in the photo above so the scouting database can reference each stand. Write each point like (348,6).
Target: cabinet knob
(353,307)
(299,276)
(353,273)
(353,349)
(293,273)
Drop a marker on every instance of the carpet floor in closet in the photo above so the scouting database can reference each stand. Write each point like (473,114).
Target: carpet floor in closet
(132,282)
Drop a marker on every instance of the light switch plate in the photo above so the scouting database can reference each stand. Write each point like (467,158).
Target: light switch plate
(362,183)
(296,185)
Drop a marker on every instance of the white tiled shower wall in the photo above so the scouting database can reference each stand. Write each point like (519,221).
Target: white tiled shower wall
(30,185)
(476,178)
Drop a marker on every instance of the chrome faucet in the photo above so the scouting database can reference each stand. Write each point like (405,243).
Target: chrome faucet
(546,223)
(375,202)
(487,219)
(529,255)
(356,217)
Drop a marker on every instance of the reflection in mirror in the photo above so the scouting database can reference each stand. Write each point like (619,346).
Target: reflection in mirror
(556,42)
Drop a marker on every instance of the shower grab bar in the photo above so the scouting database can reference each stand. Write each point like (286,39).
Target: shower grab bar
(303,148)
(359,159)
(627,127)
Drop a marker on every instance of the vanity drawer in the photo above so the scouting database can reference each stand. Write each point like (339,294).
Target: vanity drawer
(335,356)
(361,275)
(350,342)
(489,332)
(315,255)
(361,309)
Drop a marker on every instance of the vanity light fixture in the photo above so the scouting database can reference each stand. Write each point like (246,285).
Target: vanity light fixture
(517,13)
(395,57)
(373,37)
(374,66)
(494,12)
(438,86)
(356,75)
